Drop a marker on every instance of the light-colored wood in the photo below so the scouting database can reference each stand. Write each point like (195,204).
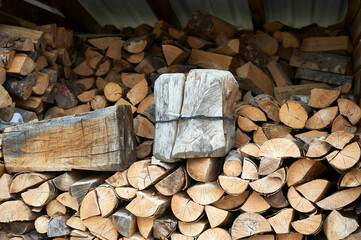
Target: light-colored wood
(88,83)
(294,114)
(281,221)
(164,226)
(259,137)
(351,179)
(277,200)
(205,193)
(250,170)
(304,170)
(145,103)
(179,236)
(102,43)
(16,210)
(290,236)
(229,48)
(174,55)
(136,44)
(138,92)
(133,58)
(350,110)
(113,91)
(76,223)
(193,229)
(114,50)
(173,183)
(107,199)
(5,183)
(266,43)
(250,149)
(124,222)
(134,171)
(308,226)
(24,181)
(339,199)
(93,58)
(40,196)
(22,64)
(41,84)
(323,44)
(144,149)
(87,96)
(232,185)
(246,125)
(315,190)
(251,112)
(342,124)
(145,226)
(41,224)
(280,147)
(231,202)
(83,70)
(241,138)
(212,60)
(89,206)
(5,99)
(255,204)
(346,158)
(65,180)
(278,74)
(317,148)
(126,193)
(284,92)
(232,166)
(257,80)
(204,169)
(81,187)
(269,165)
(308,136)
(215,234)
(54,208)
(118,179)
(172,139)
(101,227)
(271,183)
(339,139)
(298,202)
(83,152)
(148,203)
(216,216)
(98,102)
(336,226)
(103,68)
(249,224)
(151,174)
(143,127)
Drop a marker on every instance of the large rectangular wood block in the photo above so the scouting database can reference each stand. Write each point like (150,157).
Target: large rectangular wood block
(203,100)
(101,140)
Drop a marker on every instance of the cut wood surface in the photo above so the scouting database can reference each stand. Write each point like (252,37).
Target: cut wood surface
(320,44)
(81,121)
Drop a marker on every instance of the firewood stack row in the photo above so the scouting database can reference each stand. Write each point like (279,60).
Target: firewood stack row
(32,62)
(294,171)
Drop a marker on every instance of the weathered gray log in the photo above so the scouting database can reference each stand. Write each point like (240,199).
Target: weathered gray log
(101,140)
(125,222)
(80,188)
(57,227)
(321,61)
(324,77)
(164,226)
(20,88)
(203,95)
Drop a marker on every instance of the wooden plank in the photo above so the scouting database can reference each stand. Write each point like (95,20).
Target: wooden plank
(321,61)
(204,93)
(36,36)
(76,12)
(257,14)
(325,77)
(164,11)
(352,10)
(324,44)
(101,140)
(284,92)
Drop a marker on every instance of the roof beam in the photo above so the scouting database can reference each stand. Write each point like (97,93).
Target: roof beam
(164,11)
(76,12)
(257,14)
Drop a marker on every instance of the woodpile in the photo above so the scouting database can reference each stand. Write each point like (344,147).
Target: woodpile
(293,170)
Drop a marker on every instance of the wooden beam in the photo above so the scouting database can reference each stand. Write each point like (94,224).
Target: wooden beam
(164,11)
(257,14)
(20,9)
(74,11)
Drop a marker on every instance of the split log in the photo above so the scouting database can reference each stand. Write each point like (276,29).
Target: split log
(290,40)
(134,171)
(114,50)
(185,209)
(144,149)
(322,98)
(284,92)
(317,148)
(125,222)
(76,223)
(64,181)
(315,190)
(246,125)
(232,185)
(324,77)
(33,160)
(86,96)
(148,203)
(145,226)
(57,227)
(193,229)
(143,127)
(54,208)
(174,55)
(269,165)
(80,188)
(21,88)
(173,183)
(101,227)
(308,226)
(5,183)
(351,179)
(231,202)
(304,170)
(323,44)
(232,166)
(336,226)
(198,43)
(84,70)
(271,183)
(16,210)
(339,139)
(103,68)
(294,114)
(178,131)
(41,224)
(250,170)
(136,44)
(339,199)
(102,43)
(126,193)
(280,147)
(346,158)
(24,181)
(256,79)
(119,179)
(249,224)
(164,226)
(212,60)
(342,124)
(229,48)
(278,74)
(251,112)
(321,61)
(41,195)
(5,99)
(205,193)
(298,202)
(281,222)
(153,173)
(89,206)
(98,102)
(113,91)
(215,233)
(68,201)
(255,204)
(217,217)
(266,43)
(322,119)
(138,92)
(350,110)
(203,169)
(22,64)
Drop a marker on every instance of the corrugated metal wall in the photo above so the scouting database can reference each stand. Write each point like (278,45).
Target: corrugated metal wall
(296,13)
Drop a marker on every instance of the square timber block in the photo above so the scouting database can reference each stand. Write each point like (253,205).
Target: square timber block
(202,102)
(101,140)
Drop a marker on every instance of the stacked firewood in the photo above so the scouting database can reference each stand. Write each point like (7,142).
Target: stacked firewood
(32,61)
(293,172)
